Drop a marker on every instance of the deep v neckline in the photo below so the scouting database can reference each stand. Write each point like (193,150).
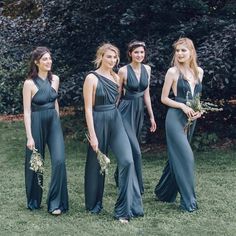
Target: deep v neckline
(192,89)
(138,79)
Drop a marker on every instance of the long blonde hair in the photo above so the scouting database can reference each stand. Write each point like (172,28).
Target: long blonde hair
(101,51)
(193,56)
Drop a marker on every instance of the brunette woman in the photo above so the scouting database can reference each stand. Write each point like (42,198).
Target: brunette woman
(134,92)
(42,125)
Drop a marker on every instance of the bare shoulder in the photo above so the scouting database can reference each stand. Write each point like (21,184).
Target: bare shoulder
(200,73)
(122,71)
(28,83)
(147,67)
(91,78)
(55,78)
(172,73)
(172,70)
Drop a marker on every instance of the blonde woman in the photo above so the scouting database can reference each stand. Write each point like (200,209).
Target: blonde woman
(106,130)
(184,78)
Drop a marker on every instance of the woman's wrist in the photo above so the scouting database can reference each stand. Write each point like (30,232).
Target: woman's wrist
(93,136)
(29,137)
(182,106)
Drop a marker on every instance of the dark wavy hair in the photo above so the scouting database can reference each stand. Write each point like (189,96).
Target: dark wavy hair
(133,45)
(36,56)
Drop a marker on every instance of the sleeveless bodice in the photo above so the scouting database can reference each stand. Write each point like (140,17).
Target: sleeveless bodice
(46,130)
(133,85)
(184,90)
(178,175)
(45,96)
(110,133)
(106,92)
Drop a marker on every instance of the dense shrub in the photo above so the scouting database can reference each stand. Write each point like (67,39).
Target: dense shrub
(74,29)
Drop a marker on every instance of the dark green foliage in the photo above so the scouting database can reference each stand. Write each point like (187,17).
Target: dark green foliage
(203,141)
(71,93)
(74,29)
(12,70)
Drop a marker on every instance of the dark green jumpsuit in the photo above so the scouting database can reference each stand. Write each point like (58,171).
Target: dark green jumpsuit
(110,132)
(46,129)
(178,175)
(131,108)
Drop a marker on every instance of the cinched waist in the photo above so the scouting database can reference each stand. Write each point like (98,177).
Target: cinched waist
(47,106)
(179,99)
(131,96)
(105,107)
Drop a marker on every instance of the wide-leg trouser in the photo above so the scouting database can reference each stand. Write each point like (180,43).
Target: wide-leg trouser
(46,129)
(110,132)
(178,175)
(132,113)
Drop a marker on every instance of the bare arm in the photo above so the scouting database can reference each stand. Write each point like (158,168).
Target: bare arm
(27,94)
(201,72)
(57,107)
(147,101)
(89,88)
(55,85)
(200,75)
(121,74)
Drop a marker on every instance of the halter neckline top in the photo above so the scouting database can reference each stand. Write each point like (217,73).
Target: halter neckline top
(45,97)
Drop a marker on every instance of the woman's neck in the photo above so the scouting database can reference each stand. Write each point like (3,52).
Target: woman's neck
(43,74)
(135,65)
(104,71)
(185,66)
(187,72)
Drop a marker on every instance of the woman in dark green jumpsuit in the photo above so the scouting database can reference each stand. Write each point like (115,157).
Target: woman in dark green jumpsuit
(134,89)
(106,130)
(42,124)
(185,80)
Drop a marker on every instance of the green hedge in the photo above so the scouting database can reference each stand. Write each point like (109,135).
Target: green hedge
(74,29)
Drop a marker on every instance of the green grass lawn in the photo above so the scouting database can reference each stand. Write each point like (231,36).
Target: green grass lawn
(216,195)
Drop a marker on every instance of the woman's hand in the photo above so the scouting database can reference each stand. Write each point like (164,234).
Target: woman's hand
(94,143)
(196,115)
(30,143)
(153,125)
(188,110)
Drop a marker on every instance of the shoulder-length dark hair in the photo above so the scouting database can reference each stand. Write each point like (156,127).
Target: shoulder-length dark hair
(35,57)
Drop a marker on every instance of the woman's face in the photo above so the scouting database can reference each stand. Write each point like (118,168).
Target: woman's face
(109,59)
(182,53)
(138,54)
(45,63)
